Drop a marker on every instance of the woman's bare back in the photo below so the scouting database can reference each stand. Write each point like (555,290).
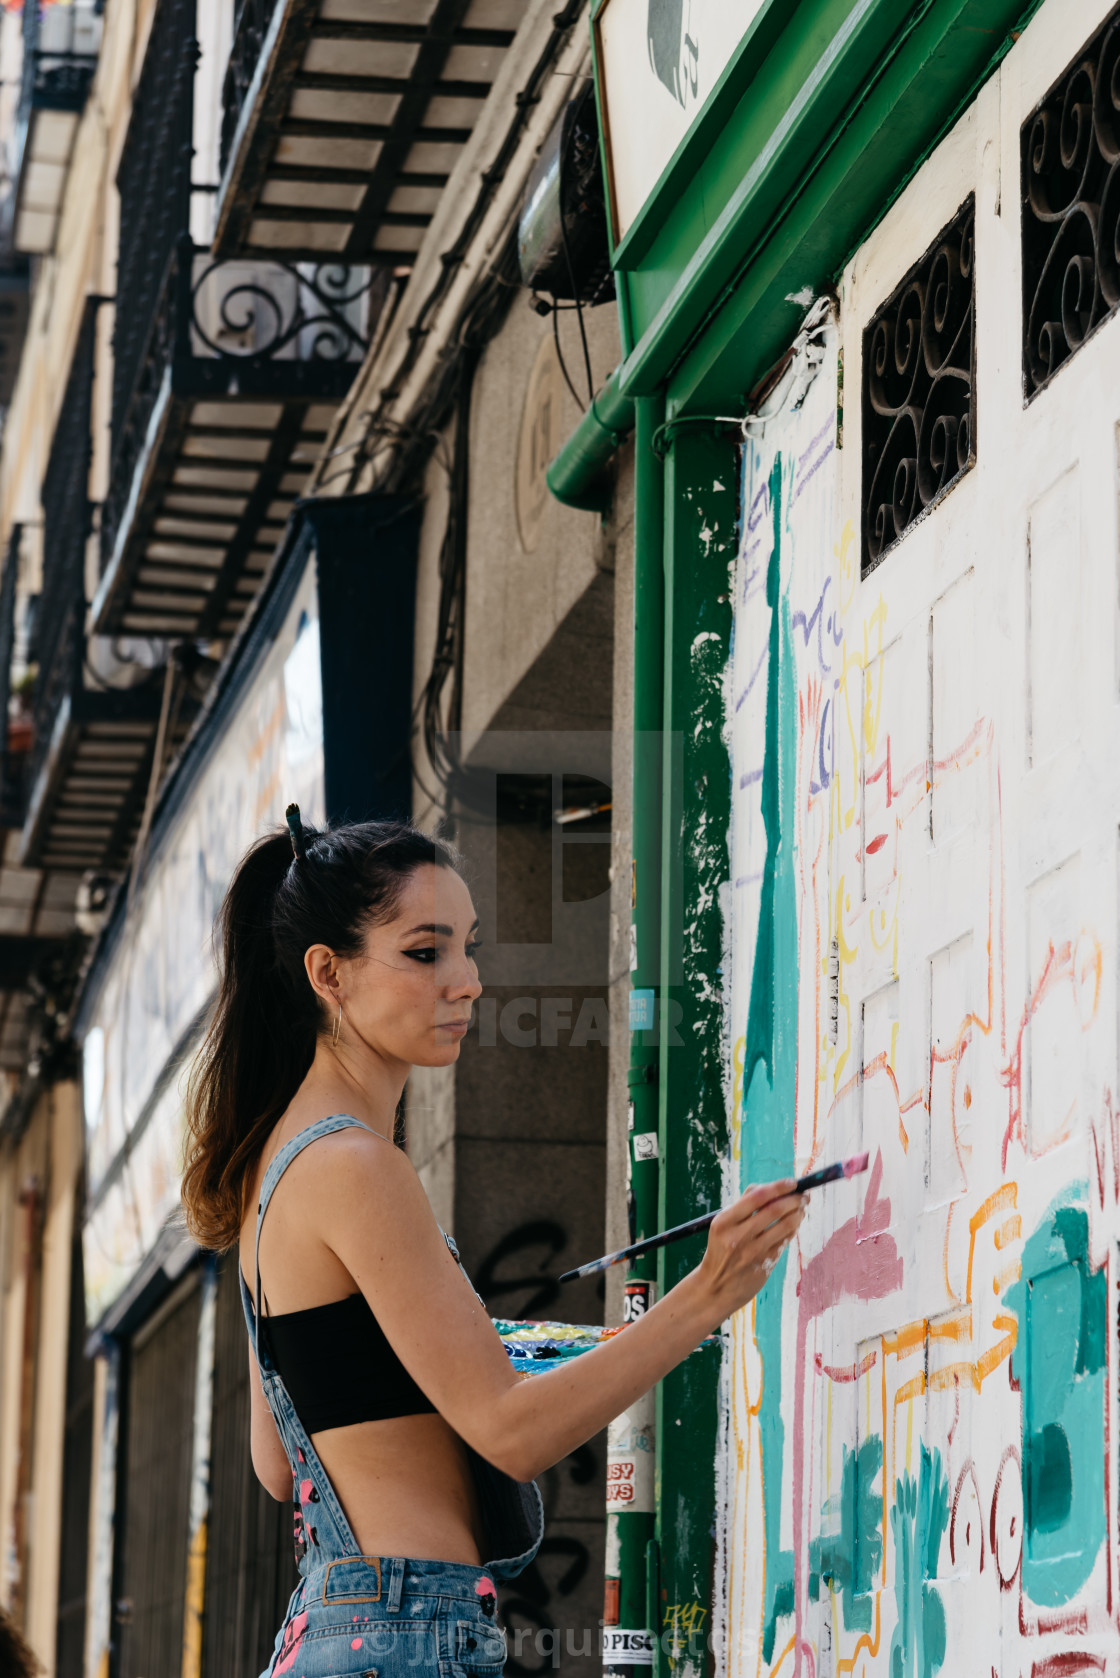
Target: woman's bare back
(404,1482)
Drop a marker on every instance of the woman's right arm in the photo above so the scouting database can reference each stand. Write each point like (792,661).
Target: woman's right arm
(371,1210)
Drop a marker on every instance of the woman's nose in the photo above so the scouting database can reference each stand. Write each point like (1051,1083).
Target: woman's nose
(467,982)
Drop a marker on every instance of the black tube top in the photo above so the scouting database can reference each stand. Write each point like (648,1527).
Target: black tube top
(338,1366)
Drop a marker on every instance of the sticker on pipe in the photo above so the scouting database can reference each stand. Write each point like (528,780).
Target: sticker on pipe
(630,1459)
(626,1648)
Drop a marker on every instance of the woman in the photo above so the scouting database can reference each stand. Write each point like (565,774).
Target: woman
(379,1385)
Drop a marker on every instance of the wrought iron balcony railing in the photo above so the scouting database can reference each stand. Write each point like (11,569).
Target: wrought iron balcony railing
(251,24)
(242,366)
(225,378)
(96,704)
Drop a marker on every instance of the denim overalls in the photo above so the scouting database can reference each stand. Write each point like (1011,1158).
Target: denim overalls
(355,1616)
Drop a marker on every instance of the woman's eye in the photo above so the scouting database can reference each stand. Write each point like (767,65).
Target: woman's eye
(428,953)
(472,949)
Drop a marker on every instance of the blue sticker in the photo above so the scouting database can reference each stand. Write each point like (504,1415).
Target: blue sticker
(641,1010)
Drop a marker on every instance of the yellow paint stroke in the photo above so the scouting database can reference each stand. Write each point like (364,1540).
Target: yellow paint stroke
(954,1325)
(788,1650)
(905,1341)
(871,1644)
(909,1390)
(847,956)
(845,565)
(1005,1199)
(1009,1230)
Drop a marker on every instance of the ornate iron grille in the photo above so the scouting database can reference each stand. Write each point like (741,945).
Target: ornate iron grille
(919,397)
(218,322)
(1071,208)
(66,524)
(154,180)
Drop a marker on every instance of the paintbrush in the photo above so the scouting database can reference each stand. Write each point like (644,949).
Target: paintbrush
(813,1180)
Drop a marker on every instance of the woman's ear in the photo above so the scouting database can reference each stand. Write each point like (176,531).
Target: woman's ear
(320,965)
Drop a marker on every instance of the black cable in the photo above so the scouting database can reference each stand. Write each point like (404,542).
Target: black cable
(581,405)
(564,153)
(563,22)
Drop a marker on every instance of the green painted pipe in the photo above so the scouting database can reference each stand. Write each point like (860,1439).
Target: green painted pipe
(580,476)
(630,1505)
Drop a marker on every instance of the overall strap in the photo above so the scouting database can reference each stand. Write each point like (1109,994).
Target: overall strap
(290,1151)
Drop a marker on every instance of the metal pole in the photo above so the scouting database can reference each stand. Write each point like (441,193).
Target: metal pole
(627,1628)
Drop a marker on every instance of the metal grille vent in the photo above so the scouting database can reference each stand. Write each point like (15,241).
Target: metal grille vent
(1071,208)
(919,395)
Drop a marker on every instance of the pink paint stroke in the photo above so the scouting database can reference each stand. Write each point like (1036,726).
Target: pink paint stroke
(858,1261)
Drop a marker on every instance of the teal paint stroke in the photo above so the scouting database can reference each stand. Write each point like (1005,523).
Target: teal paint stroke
(770,1054)
(919,1518)
(1059,1366)
(848,1560)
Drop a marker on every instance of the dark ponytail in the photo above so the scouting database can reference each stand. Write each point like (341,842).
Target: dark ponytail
(292,889)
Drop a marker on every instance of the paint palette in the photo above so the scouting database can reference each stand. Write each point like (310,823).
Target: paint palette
(535,1346)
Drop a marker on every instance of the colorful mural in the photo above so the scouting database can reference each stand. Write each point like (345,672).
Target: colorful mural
(917,1465)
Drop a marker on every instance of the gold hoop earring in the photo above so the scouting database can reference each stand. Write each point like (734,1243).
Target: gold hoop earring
(337,1026)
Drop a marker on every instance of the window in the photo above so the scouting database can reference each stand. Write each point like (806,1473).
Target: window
(919,405)
(1071,208)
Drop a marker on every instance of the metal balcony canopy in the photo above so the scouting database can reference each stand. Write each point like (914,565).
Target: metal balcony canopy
(60,56)
(344,118)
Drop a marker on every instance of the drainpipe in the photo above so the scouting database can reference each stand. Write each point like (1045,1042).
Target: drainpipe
(31,1202)
(580,474)
(627,1615)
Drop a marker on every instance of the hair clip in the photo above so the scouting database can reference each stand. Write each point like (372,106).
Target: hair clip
(295,828)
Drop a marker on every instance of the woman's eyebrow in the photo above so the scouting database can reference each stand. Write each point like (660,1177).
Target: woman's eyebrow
(438,927)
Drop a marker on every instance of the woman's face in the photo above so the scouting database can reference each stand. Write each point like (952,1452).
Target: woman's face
(409,995)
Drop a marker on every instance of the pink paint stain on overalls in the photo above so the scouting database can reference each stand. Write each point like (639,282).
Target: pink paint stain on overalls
(293,1637)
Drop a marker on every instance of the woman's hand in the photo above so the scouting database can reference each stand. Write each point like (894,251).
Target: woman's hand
(745,1242)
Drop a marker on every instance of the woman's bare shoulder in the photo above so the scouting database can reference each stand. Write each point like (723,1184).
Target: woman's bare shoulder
(350,1171)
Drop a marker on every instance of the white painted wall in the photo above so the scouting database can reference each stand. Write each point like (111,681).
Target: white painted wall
(937,1373)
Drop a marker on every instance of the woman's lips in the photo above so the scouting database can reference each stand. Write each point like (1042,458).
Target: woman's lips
(459,1027)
